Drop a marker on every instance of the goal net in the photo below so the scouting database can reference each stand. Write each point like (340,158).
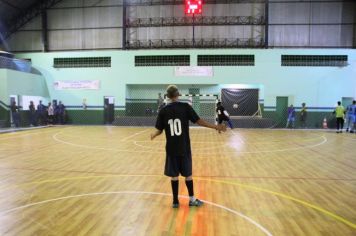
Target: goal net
(143,111)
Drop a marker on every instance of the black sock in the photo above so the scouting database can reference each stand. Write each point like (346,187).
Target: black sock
(175,185)
(190,187)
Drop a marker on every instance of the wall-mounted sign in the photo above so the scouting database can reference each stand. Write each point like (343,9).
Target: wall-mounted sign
(204,71)
(77,85)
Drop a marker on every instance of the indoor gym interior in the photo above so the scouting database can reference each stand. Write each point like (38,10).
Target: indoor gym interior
(96,172)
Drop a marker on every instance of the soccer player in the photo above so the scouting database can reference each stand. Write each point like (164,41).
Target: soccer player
(223,115)
(291,116)
(174,120)
(339,113)
(354,112)
(303,116)
(350,117)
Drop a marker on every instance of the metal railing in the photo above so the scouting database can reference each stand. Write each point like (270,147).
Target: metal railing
(197,43)
(18,65)
(198,20)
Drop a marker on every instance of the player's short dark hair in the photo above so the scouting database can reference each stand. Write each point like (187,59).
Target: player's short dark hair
(354,102)
(339,103)
(172,91)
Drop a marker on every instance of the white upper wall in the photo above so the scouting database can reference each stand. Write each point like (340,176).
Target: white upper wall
(92,24)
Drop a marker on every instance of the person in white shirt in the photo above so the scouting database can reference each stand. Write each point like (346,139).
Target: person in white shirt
(50,111)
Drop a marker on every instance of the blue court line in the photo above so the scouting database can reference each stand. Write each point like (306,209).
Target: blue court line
(155,100)
(76,106)
(308,108)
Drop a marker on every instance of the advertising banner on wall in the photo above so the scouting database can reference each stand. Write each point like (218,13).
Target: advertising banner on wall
(204,71)
(77,85)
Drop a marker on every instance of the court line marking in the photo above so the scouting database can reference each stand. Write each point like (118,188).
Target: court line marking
(139,193)
(22,129)
(135,142)
(142,151)
(282,195)
(92,147)
(202,149)
(263,151)
(133,135)
(251,187)
(219,144)
(22,134)
(263,190)
(242,141)
(195,176)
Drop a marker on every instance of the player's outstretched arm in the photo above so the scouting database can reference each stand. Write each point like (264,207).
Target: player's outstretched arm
(219,128)
(155,134)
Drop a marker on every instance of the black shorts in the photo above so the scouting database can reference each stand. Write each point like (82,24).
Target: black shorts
(221,119)
(176,165)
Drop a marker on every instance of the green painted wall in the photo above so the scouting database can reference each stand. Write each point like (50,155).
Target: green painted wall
(19,83)
(3,85)
(89,117)
(319,87)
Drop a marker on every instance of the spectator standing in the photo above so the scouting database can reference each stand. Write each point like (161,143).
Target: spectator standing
(303,116)
(340,115)
(32,114)
(291,116)
(61,113)
(41,113)
(350,117)
(55,112)
(15,113)
(354,109)
(50,111)
(160,102)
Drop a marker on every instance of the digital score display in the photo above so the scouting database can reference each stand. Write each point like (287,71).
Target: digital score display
(193,7)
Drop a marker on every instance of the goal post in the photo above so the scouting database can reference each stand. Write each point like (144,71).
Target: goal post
(203,104)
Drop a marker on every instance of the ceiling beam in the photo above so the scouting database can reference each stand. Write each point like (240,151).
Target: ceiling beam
(11,5)
(27,15)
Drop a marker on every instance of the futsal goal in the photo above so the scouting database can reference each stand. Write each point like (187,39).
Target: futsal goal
(141,111)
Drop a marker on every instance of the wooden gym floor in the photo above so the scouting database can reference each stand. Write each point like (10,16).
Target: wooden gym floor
(109,181)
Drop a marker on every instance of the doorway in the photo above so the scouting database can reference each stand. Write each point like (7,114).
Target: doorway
(281,110)
(109,109)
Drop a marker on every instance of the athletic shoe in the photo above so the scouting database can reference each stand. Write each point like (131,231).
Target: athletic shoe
(351,131)
(175,205)
(347,130)
(196,203)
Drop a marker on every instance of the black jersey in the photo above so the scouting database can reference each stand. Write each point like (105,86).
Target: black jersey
(32,108)
(174,120)
(220,111)
(14,109)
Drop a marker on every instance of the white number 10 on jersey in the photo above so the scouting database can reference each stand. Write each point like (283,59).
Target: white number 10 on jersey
(176,127)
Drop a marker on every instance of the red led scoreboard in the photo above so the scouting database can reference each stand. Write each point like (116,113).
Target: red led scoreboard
(193,7)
